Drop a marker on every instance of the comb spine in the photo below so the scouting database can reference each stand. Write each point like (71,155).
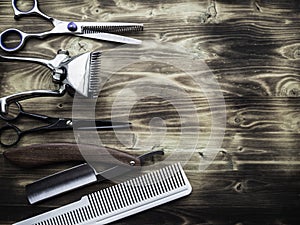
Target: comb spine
(57,215)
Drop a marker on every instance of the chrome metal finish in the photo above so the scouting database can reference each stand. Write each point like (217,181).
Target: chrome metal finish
(83,74)
(69,123)
(53,64)
(80,72)
(84,29)
(34,10)
(132,163)
(47,187)
(61,182)
(117,28)
(109,26)
(5,101)
(111,37)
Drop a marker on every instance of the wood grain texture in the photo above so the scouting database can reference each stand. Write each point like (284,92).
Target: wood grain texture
(252,49)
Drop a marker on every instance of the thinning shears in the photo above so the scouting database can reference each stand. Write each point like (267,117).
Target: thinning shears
(10,134)
(95,30)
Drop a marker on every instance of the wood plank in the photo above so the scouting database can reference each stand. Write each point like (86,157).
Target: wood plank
(251,48)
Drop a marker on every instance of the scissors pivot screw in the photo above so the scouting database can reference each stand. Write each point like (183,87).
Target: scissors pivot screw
(69,123)
(132,163)
(72,26)
(61,51)
(56,78)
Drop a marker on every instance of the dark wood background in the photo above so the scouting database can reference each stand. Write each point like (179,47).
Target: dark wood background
(253,49)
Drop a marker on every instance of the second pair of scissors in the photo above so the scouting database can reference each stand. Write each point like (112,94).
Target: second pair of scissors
(95,30)
(10,134)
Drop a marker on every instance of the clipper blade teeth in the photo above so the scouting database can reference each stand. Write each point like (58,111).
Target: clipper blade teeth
(111,29)
(94,79)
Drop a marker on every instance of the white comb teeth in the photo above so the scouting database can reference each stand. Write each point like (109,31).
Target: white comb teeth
(119,201)
(94,79)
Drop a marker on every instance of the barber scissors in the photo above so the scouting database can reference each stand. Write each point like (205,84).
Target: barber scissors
(10,134)
(94,30)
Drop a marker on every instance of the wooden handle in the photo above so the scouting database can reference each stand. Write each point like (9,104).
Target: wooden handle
(44,154)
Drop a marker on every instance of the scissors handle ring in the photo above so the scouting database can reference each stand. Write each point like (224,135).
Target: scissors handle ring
(8,117)
(17,133)
(5,34)
(33,11)
(19,12)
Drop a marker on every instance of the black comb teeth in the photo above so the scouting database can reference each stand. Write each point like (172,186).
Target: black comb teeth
(94,80)
(111,29)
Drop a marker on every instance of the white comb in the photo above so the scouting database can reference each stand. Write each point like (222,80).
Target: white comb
(119,201)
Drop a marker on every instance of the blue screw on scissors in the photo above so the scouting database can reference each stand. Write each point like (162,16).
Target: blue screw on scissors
(95,30)
(11,134)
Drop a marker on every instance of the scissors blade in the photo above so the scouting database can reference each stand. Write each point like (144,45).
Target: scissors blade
(115,171)
(119,170)
(109,27)
(112,37)
(70,179)
(99,124)
(80,176)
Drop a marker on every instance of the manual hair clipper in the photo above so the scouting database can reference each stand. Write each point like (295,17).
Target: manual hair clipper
(78,73)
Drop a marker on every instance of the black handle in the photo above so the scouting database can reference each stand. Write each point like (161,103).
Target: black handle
(9,135)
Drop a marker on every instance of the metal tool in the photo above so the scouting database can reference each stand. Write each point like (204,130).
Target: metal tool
(10,134)
(37,155)
(78,73)
(120,201)
(94,30)
(79,176)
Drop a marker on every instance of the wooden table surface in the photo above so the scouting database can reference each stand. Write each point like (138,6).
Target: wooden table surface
(252,49)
